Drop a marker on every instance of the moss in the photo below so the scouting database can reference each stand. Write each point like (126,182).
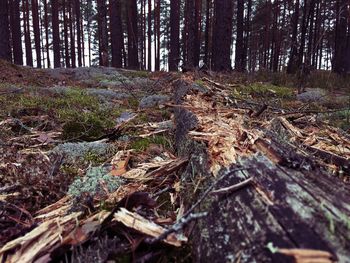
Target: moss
(86,126)
(140,144)
(268,90)
(94,159)
(143,143)
(133,102)
(200,82)
(136,74)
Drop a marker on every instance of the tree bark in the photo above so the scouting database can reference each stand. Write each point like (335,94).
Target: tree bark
(78,29)
(65,34)
(190,35)
(239,54)
(133,58)
(36,28)
(28,44)
(341,55)
(46,23)
(198,32)
(149,36)
(208,31)
(56,34)
(102,32)
(116,33)
(5,52)
(72,35)
(222,35)
(16,32)
(174,35)
(292,68)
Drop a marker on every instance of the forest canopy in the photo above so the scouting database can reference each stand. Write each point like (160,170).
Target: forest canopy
(247,36)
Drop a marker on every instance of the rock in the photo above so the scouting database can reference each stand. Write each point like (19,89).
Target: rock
(153,101)
(312,95)
(107,94)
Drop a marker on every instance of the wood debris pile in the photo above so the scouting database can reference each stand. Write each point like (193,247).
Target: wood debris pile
(281,179)
(246,183)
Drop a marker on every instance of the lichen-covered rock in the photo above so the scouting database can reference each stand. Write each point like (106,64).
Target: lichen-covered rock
(312,95)
(153,101)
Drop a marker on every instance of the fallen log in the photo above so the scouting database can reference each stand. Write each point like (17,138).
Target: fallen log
(293,211)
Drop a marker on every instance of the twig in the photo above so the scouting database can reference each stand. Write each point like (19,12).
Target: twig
(177,227)
(11,91)
(232,188)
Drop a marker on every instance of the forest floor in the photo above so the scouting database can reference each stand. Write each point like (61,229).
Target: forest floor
(93,162)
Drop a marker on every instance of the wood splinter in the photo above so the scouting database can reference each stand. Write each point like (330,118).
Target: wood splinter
(232,188)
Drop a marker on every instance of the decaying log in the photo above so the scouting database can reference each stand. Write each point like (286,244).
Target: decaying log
(293,211)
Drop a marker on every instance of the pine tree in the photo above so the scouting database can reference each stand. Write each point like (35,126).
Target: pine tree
(16,32)
(36,28)
(133,60)
(239,54)
(116,33)
(56,34)
(222,35)
(174,35)
(5,52)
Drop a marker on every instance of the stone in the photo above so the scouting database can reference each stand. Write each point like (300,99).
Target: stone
(153,101)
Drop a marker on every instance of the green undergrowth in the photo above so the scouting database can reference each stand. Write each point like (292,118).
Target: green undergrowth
(80,115)
(265,90)
(141,144)
(136,74)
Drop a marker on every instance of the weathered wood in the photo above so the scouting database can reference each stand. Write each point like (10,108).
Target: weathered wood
(293,203)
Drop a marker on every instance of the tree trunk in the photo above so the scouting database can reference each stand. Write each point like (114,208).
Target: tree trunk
(28,45)
(102,32)
(292,67)
(116,33)
(149,36)
(71,30)
(208,24)
(36,28)
(190,35)
(133,60)
(56,34)
(16,32)
(174,35)
(78,28)
(5,51)
(304,27)
(157,34)
(222,35)
(46,24)
(65,28)
(239,54)
(198,32)
(341,48)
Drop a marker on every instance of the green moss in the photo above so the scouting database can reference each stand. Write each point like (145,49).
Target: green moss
(86,126)
(136,74)
(133,102)
(142,144)
(200,82)
(268,90)
(94,159)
